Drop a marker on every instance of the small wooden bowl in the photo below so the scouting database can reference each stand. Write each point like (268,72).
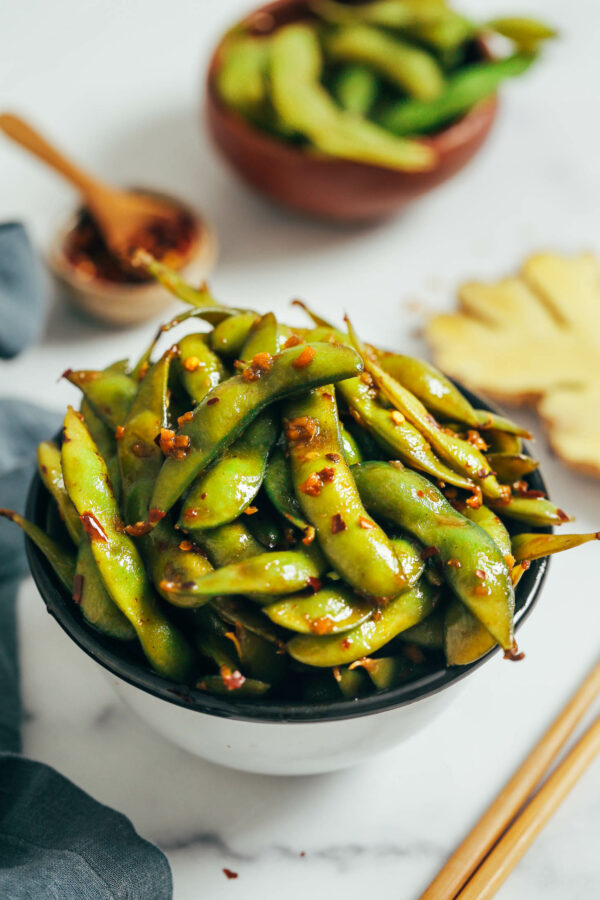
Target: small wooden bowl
(322,186)
(126,303)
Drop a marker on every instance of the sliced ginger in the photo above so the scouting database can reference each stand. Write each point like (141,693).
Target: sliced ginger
(534,339)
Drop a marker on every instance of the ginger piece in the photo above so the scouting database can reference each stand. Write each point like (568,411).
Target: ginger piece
(534,339)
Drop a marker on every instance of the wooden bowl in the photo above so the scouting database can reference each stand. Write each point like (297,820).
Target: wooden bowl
(128,303)
(323,186)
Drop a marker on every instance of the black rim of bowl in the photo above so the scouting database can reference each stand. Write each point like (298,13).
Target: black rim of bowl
(133,670)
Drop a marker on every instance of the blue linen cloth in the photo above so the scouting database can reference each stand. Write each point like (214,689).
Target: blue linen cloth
(55,840)
(21,291)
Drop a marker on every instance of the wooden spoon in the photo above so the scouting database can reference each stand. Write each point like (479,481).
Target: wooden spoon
(120,215)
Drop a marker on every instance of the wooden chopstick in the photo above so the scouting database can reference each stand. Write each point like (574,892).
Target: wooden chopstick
(468,856)
(515,842)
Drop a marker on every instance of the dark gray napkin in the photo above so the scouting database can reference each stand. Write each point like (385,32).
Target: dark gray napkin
(55,840)
(21,291)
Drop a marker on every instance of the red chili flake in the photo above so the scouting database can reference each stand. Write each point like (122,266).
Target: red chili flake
(93,528)
(186,545)
(396,463)
(525,564)
(141,450)
(479,573)
(77,588)
(337,524)
(336,672)
(143,370)
(377,615)
(327,475)
(302,853)
(322,625)
(483,473)
(230,874)
(420,493)
(562,515)
(293,341)
(191,363)
(535,495)
(365,523)
(454,563)
(305,358)
(428,552)
(186,417)
(333,457)
(520,487)
(304,428)
(212,401)
(309,535)
(190,513)
(138,529)
(346,644)
(250,510)
(119,433)
(314,583)
(203,495)
(473,437)
(476,500)
(155,515)
(232,680)
(312,485)
(513,653)
(481,590)
(327,396)
(260,365)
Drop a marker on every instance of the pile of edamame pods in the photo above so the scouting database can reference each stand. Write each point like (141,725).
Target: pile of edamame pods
(361,81)
(273,509)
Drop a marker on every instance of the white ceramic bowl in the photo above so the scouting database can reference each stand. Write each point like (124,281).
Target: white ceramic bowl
(270,737)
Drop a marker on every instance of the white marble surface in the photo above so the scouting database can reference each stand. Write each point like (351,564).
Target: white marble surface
(118,82)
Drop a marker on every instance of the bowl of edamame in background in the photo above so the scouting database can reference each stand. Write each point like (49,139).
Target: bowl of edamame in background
(287,547)
(350,111)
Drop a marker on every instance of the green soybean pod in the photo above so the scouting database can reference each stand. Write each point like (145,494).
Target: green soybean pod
(510,467)
(227,338)
(232,405)
(242,74)
(279,488)
(334,609)
(96,606)
(337,650)
(259,577)
(198,368)
(474,566)
(119,563)
(404,65)
(50,469)
(110,394)
(532,511)
(388,13)
(464,90)
(229,544)
(62,562)
(526,33)
(534,546)
(355,88)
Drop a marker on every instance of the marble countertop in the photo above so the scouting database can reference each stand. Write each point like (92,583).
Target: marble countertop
(119,84)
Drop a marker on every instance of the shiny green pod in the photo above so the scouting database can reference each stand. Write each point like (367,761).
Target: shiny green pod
(119,563)
(279,488)
(534,546)
(511,467)
(405,65)
(333,609)
(230,407)
(97,607)
(337,650)
(229,544)
(474,567)
(198,368)
(110,394)
(62,562)
(355,87)
(241,78)
(532,511)
(356,547)
(102,435)
(262,576)
(50,469)
(228,337)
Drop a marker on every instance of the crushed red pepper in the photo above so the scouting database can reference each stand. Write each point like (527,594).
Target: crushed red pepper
(303,428)
(191,363)
(322,625)
(169,240)
(305,358)
(77,588)
(365,523)
(229,873)
(232,680)
(119,433)
(333,457)
(292,341)
(250,510)
(260,365)
(186,417)
(92,527)
(337,524)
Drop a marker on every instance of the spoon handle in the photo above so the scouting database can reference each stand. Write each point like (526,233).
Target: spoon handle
(22,133)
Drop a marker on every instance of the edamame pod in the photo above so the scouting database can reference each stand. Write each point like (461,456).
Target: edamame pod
(242,74)
(279,488)
(110,394)
(337,650)
(268,574)
(198,368)
(48,459)
(474,566)
(102,435)
(334,609)
(230,407)
(463,90)
(97,608)
(408,67)
(224,491)
(388,13)
(355,88)
(532,511)
(229,544)
(355,546)
(121,568)
(534,546)
(228,337)
(511,467)
(63,563)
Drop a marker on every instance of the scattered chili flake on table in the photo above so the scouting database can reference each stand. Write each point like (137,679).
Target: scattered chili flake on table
(169,240)
(230,874)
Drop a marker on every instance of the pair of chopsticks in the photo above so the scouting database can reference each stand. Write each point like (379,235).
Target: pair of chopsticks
(505,832)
